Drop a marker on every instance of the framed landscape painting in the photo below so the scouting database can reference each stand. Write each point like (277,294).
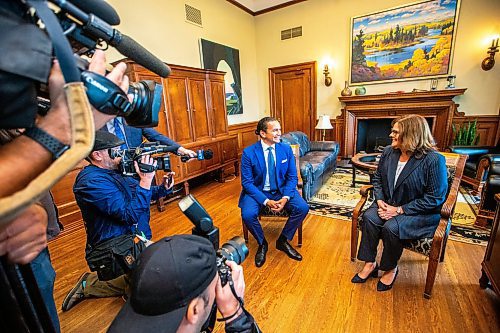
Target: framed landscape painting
(413,41)
(226,59)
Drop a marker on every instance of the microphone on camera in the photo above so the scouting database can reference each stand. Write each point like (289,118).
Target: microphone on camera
(158,149)
(201,155)
(99,8)
(133,50)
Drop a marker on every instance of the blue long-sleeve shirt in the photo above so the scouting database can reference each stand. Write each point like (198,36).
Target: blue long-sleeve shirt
(112,204)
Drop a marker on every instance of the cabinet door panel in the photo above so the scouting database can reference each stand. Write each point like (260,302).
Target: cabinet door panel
(219,107)
(178,110)
(194,167)
(199,110)
(216,158)
(229,149)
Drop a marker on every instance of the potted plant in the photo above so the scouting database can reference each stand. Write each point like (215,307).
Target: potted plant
(465,134)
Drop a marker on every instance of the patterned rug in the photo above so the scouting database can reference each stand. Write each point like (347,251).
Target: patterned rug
(337,199)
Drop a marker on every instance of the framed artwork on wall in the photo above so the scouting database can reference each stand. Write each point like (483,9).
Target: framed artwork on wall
(226,59)
(413,41)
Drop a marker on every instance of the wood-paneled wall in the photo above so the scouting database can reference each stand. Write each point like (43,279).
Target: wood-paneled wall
(245,133)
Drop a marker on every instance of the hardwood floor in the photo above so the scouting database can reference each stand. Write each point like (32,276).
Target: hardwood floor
(314,295)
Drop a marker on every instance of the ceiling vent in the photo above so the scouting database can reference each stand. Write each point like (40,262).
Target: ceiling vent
(291,33)
(193,15)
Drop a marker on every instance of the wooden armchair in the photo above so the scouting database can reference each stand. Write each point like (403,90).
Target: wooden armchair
(434,247)
(266,212)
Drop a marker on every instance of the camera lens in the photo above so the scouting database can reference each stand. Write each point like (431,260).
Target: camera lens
(146,103)
(235,250)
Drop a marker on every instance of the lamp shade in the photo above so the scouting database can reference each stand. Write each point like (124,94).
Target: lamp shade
(324,123)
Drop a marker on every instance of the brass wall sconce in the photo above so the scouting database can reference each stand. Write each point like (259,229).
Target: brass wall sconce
(328,79)
(489,61)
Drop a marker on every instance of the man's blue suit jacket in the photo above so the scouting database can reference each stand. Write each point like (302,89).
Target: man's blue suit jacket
(420,190)
(253,172)
(134,136)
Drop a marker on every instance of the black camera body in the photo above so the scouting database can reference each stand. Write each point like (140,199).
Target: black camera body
(129,156)
(234,249)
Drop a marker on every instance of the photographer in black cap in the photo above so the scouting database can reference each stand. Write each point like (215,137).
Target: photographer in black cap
(174,287)
(112,205)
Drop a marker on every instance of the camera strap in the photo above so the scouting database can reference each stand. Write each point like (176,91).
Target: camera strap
(62,48)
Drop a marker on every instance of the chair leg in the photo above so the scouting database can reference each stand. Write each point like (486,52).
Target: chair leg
(300,235)
(245,231)
(354,243)
(431,277)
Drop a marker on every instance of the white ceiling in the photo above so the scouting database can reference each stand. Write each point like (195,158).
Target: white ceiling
(256,5)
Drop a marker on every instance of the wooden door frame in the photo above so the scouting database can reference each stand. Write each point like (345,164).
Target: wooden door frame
(312,66)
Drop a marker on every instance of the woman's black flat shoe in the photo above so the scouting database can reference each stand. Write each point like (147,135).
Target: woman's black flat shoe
(384,287)
(357,279)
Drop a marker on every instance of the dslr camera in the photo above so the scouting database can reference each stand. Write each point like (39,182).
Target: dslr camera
(234,249)
(161,154)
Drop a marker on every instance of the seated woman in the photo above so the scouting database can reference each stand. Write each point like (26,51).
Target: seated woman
(410,186)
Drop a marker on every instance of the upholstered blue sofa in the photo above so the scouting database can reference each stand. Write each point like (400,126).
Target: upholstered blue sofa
(318,161)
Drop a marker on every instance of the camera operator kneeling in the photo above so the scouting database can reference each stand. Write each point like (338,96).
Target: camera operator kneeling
(113,207)
(174,287)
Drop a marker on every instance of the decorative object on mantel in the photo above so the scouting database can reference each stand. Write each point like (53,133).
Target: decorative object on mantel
(346,91)
(451,81)
(489,61)
(360,91)
(324,124)
(434,84)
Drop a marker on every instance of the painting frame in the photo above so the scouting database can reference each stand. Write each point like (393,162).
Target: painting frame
(224,58)
(378,55)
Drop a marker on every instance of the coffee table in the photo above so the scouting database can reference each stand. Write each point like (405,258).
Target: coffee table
(367,163)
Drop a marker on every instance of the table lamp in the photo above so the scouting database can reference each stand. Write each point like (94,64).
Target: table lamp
(323,124)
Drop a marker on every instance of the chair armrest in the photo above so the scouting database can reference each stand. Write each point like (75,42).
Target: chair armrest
(364,191)
(324,145)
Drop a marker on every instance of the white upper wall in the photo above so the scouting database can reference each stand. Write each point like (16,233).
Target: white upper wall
(160,27)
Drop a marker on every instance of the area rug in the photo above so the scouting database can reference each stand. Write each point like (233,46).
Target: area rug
(337,199)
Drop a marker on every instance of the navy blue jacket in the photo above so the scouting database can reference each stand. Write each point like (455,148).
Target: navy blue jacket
(112,204)
(253,171)
(420,190)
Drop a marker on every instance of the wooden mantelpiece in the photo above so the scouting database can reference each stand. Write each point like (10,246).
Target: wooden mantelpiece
(438,105)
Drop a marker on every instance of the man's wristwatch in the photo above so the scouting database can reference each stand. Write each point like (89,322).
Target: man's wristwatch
(54,146)
(399,211)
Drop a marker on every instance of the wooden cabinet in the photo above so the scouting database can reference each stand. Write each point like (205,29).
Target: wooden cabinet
(491,263)
(194,115)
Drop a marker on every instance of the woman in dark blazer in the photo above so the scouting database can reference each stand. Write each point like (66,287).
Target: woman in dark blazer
(410,186)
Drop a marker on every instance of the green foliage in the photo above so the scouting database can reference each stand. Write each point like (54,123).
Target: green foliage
(465,135)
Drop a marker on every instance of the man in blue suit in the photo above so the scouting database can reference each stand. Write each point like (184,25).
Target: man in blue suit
(269,178)
(132,136)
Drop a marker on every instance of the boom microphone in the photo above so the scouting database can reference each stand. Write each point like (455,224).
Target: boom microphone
(99,8)
(133,50)
(158,149)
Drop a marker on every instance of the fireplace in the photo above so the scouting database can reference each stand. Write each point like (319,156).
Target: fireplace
(373,134)
(437,107)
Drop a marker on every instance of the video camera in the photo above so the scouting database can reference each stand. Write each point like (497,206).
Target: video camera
(161,157)
(75,28)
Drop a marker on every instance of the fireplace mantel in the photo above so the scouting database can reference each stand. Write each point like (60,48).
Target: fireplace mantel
(438,105)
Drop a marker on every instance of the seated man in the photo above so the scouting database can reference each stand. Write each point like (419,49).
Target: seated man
(175,286)
(269,178)
(133,136)
(112,205)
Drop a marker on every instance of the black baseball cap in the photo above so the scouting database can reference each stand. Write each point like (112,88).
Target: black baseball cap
(105,140)
(169,274)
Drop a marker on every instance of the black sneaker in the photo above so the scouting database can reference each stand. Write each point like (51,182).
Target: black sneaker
(76,294)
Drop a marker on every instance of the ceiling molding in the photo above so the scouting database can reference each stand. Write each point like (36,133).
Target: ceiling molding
(266,10)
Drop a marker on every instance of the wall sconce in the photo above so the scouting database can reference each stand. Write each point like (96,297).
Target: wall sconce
(328,79)
(489,61)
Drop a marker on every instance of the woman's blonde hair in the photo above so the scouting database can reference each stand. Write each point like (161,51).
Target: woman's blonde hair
(415,135)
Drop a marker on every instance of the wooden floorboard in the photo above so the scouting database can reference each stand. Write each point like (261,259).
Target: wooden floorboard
(314,295)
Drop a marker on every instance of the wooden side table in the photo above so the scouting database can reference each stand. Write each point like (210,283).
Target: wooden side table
(491,264)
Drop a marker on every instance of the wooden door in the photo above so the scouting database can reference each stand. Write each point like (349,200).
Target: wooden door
(200,120)
(176,90)
(293,97)
(219,107)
